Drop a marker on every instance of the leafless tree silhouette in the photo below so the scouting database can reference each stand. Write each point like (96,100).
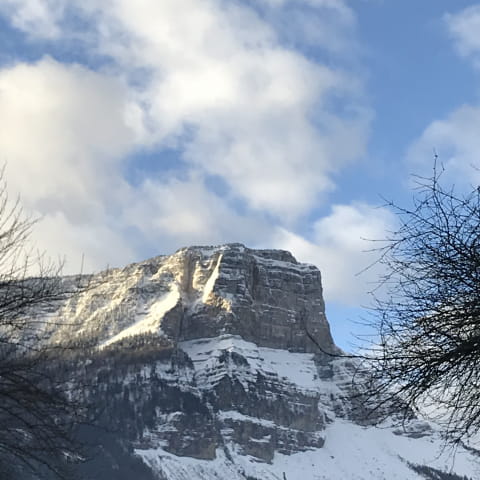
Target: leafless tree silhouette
(427,354)
(36,411)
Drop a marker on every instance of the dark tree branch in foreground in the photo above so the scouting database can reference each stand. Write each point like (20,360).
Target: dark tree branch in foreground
(36,411)
(428,323)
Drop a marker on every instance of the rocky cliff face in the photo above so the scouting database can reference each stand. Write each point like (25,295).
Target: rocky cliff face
(203,363)
(264,296)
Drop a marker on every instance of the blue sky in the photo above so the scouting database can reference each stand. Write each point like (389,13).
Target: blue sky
(134,128)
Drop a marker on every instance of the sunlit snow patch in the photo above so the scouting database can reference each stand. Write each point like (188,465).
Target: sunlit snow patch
(150,323)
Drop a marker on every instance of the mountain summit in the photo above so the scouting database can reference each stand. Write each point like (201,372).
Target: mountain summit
(264,296)
(218,362)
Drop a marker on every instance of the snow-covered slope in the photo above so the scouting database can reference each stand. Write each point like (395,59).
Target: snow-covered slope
(349,450)
(205,364)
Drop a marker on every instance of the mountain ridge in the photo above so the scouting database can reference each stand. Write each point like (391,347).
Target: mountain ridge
(191,296)
(204,364)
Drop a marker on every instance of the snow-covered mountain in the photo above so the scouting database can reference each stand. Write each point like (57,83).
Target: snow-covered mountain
(218,363)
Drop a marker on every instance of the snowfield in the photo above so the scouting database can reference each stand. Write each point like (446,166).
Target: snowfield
(351,452)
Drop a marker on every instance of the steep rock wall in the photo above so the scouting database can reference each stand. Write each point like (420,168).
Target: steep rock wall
(263,296)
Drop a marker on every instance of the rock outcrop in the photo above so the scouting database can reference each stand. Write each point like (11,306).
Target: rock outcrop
(220,358)
(263,296)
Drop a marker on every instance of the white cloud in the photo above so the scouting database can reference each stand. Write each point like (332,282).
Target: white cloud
(456,141)
(464,27)
(214,79)
(341,246)
(63,132)
(92,247)
(183,212)
(36,17)
(64,138)
(218,82)
(455,137)
(257,114)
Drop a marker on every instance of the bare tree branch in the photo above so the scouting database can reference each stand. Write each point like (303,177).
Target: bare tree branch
(37,413)
(428,323)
